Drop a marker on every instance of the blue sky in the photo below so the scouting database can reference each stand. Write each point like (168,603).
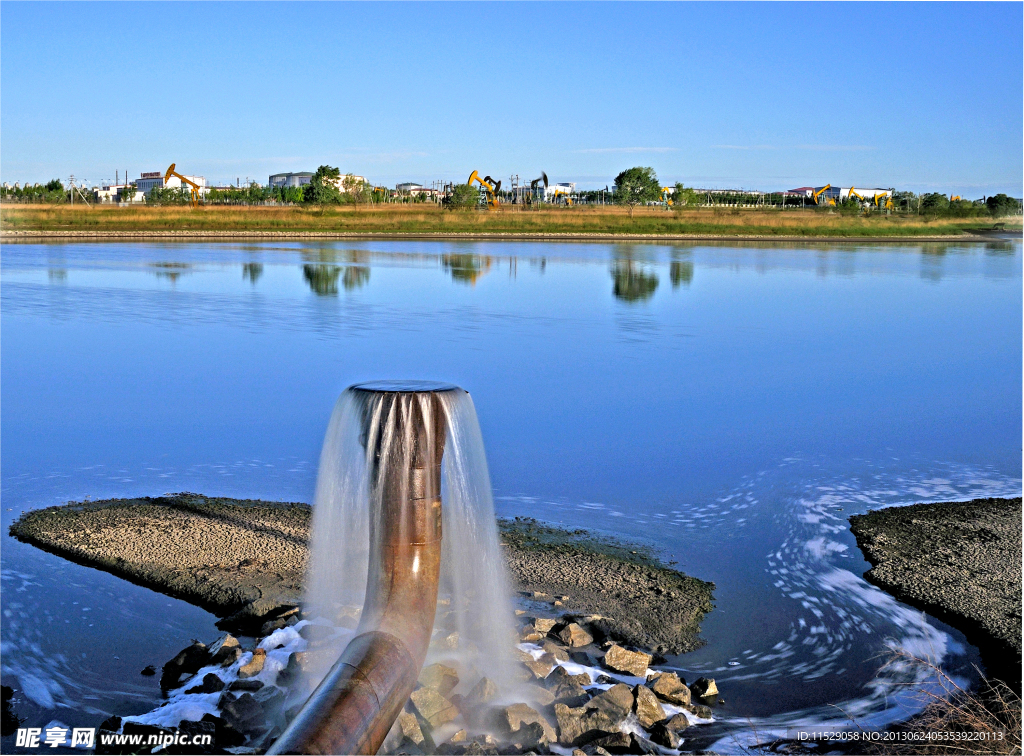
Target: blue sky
(922,96)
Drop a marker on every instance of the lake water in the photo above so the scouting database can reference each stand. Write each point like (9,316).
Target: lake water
(729,404)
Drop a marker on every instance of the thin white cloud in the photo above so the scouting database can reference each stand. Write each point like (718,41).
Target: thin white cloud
(811,147)
(601,150)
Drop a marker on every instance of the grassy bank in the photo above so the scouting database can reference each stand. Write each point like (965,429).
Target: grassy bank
(421,219)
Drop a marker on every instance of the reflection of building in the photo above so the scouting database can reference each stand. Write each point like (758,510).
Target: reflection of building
(291,179)
(155,180)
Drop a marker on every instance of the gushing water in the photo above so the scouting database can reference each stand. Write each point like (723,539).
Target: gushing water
(473,629)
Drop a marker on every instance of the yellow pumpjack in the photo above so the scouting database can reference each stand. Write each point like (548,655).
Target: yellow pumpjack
(194,202)
(490,186)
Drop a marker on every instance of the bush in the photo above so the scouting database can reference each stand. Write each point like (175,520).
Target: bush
(1001,205)
(463,197)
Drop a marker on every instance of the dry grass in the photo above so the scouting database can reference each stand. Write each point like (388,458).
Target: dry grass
(429,219)
(992,714)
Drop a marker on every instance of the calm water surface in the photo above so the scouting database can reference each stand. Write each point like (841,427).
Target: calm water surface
(730,405)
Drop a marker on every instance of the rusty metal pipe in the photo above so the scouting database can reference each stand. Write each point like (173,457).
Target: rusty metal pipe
(355,705)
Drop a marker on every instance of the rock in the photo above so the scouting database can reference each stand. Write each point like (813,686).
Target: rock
(557,651)
(532,735)
(661,735)
(530,634)
(559,676)
(582,657)
(297,664)
(245,685)
(619,742)
(699,710)
(192,728)
(271,625)
(570,693)
(113,723)
(618,697)
(316,633)
(188,661)
(433,707)
(592,750)
(458,737)
(244,713)
(271,698)
(669,687)
(575,636)
(410,727)
(513,717)
(149,671)
(648,710)
(577,726)
(482,693)
(676,723)
(704,687)
(633,663)
(641,745)
(539,667)
(540,696)
(450,641)
(211,684)
(226,735)
(544,625)
(254,665)
(145,730)
(441,678)
(521,655)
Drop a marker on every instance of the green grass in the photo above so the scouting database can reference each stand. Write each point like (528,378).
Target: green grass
(419,219)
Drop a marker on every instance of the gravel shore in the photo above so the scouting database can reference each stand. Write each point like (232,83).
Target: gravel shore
(960,562)
(244,560)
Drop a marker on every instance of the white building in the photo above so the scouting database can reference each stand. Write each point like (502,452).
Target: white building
(291,179)
(340,181)
(867,194)
(553,191)
(155,180)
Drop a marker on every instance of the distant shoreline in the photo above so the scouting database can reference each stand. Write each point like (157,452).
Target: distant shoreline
(9,236)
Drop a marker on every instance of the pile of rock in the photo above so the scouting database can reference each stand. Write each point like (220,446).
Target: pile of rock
(593,711)
(573,692)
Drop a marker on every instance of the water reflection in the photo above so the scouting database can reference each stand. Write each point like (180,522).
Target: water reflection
(633,283)
(322,279)
(251,272)
(322,272)
(171,270)
(680,272)
(466,268)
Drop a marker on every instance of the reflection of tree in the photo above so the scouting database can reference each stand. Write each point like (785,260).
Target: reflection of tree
(171,270)
(252,272)
(322,279)
(57,274)
(633,284)
(466,268)
(680,272)
(355,276)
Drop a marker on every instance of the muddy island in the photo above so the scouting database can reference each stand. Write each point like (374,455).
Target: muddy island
(958,561)
(245,560)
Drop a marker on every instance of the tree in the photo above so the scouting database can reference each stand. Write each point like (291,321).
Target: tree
(635,186)
(322,188)
(684,196)
(463,197)
(54,185)
(128,192)
(1001,205)
(934,203)
(355,189)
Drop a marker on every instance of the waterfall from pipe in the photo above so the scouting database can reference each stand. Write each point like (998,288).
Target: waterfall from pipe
(473,627)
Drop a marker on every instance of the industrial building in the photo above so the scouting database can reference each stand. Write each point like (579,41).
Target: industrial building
(155,180)
(291,179)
